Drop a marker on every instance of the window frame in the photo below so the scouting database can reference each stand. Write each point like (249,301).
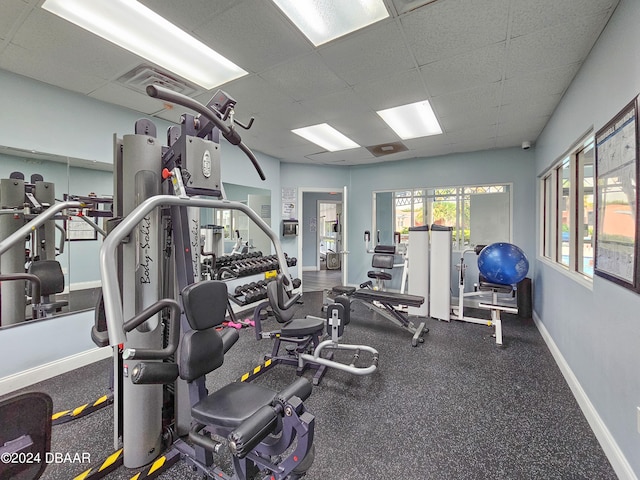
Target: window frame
(550,189)
(460,194)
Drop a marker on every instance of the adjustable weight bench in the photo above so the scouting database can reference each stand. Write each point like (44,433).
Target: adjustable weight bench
(386,304)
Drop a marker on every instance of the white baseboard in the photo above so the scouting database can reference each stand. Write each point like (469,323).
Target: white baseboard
(48,370)
(82,286)
(607,442)
(312,268)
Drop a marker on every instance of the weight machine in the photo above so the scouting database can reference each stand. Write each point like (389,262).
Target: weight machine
(150,266)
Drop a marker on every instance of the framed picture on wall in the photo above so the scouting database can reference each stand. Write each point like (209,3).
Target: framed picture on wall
(616,245)
(77,229)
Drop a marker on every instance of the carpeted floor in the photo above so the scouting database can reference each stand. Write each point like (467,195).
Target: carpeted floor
(455,407)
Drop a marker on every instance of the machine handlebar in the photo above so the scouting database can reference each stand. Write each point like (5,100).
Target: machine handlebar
(35,282)
(227,131)
(174,331)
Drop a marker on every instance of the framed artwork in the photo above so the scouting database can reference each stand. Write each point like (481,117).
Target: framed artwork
(616,245)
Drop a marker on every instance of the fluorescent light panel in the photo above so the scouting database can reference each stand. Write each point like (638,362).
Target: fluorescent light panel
(326,136)
(412,121)
(324,20)
(136,28)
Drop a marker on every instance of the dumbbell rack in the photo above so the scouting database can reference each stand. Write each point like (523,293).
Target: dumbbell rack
(247,275)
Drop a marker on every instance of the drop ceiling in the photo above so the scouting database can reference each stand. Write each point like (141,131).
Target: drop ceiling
(493,70)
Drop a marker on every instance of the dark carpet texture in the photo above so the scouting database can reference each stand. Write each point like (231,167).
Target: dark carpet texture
(455,407)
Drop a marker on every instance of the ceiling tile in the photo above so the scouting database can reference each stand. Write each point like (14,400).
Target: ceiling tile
(464,120)
(569,43)
(542,106)
(44,34)
(472,100)
(404,6)
(539,83)
(487,91)
(46,68)
(254,35)
(336,104)
(396,89)
(528,129)
(364,128)
(528,16)
(370,53)
(188,14)
(482,132)
(13,13)
(119,95)
(464,71)
(344,156)
(448,28)
(304,78)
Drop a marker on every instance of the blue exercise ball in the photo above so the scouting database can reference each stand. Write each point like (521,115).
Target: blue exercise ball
(503,263)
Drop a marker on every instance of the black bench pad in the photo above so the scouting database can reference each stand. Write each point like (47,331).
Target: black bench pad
(392,298)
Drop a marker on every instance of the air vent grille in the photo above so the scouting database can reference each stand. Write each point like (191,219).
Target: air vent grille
(387,149)
(144,75)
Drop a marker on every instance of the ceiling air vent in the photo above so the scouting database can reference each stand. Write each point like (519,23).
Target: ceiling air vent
(387,149)
(143,75)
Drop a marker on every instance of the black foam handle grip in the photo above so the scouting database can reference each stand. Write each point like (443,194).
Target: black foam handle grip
(152,373)
(301,388)
(252,431)
(229,338)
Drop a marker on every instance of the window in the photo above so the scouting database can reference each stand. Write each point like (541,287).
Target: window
(564,210)
(585,215)
(567,216)
(477,214)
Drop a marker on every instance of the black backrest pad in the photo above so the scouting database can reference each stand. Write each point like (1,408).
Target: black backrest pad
(281,315)
(385,249)
(50,274)
(382,260)
(346,303)
(205,304)
(201,352)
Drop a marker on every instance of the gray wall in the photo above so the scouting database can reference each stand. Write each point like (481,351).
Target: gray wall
(597,330)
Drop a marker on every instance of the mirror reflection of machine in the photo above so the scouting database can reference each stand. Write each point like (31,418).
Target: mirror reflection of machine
(20,202)
(28,232)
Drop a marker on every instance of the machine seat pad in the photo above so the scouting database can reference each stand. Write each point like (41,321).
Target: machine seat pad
(54,306)
(232,404)
(299,327)
(380,275)
(499,287)
(343,290)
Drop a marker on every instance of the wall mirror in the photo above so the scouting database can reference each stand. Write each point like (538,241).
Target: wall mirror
(77,244)
(63,176)
(237,230)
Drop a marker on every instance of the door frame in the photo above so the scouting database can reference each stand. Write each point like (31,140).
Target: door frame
(345,250)
(336,202)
